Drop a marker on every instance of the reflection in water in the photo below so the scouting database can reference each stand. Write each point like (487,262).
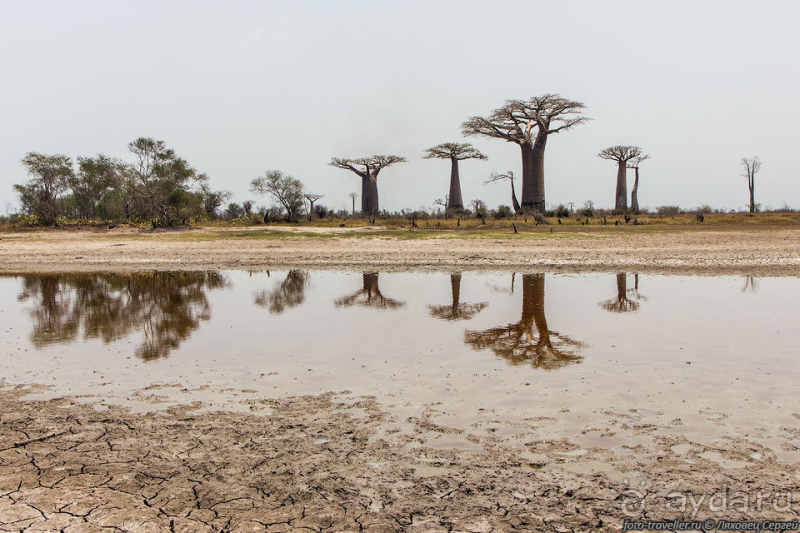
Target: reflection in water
(457,310)
(166,306)
(750,284)
(286,294)
(369,296)
(519,343)
(622,304)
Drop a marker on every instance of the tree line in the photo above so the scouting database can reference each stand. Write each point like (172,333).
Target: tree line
(158,186)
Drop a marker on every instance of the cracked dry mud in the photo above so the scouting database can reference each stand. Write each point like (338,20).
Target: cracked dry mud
(315,464)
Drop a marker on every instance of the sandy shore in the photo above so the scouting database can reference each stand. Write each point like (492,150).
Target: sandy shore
(758,252)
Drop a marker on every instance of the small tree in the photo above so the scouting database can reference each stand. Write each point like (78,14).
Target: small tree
(368,169)
(311,198)
(634,164)
(247,205)
(479,208)
(353,196)
(286,190)
(621,154)
(50,176)
(751,166)
(455,152)
(494,176)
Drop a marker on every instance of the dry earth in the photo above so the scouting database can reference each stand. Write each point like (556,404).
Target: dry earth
(758,252)
(313,464)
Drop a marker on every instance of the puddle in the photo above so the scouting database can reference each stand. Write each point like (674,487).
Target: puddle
(496,358)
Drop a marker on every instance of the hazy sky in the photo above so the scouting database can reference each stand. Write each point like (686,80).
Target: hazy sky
(238,88)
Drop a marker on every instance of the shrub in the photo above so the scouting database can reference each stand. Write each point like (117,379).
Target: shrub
(503,211)
(562,211)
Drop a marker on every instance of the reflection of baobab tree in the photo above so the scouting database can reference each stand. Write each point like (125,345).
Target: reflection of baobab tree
(750,284)
(167,307)
(530,339)
(286,294)
(622,304)
(369,296)
(456,310)
(635,290)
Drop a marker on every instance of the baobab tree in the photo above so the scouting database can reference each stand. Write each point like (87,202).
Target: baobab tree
(515,122)
(529,340)
(455,152)
(634,164)
(751,166)
(369,296)
(456,310)
(494,176)
(622,304)
(311,198)
(621,154)
(353,196)
(368,169)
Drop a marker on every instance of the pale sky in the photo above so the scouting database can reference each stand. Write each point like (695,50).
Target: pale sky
(238,88)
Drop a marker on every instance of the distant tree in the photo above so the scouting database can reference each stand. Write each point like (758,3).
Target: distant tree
(353,196)
(234,210)
(96,177)
(287,190)
(751,167)
(247,205)
(311,198)
(621,154)
(212,200)
(442,202)
(634,164)
(455,152)
(478,207)
(368,169)
(50,178)
(163,180)
(515,122)
(494,176)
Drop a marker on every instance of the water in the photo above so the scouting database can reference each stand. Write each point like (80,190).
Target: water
(603,360)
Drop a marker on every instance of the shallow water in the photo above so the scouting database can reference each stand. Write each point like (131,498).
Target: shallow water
(610,361)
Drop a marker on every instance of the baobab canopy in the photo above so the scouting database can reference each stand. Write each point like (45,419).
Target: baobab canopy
(368,168)
(528,123)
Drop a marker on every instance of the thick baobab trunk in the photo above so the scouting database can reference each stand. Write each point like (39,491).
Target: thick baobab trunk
(527,174)
(534,199)
(371,285)
(369,195)
(454,200)
(634,193)
(622,187)
(752,198)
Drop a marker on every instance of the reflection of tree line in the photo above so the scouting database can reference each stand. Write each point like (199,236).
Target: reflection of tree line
(169,306)
(166,306)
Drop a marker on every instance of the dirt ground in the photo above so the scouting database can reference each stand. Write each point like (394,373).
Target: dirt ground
(774,251)
(314,464)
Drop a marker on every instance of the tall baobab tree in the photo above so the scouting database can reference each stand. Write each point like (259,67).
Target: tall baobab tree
(455,152)
(456,310)
(622,304)
(634,164)
(530,339)
(751,166)
(311,198)
(368,169)
(369,296)
(353,196)
(621,154)
(494,176)
(515,122)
